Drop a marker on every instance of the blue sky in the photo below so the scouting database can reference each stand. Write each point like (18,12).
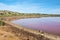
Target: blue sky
(31,6)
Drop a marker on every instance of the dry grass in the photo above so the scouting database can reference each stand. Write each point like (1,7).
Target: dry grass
(7,36)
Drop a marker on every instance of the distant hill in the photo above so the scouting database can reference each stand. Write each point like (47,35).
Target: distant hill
(6,13)
(11,13)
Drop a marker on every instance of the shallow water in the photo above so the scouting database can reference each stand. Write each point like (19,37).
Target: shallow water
(46,24)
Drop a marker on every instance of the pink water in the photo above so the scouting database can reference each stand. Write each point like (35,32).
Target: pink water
(46,24)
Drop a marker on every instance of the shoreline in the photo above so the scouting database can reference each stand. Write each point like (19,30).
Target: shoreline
(37,33)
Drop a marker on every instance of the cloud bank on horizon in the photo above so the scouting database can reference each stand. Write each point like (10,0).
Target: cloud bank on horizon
(31,6)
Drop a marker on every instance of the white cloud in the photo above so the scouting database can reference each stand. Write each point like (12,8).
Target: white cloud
(28,8)
(18,7)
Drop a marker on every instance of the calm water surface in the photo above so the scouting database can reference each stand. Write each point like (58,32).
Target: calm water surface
(46,24)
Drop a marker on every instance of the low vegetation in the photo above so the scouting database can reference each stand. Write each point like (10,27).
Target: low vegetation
(2,23)
(5,13)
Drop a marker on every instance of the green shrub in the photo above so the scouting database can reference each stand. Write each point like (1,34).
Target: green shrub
(2,23)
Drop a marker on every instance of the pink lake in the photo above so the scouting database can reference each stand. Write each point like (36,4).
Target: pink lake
(46,24)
